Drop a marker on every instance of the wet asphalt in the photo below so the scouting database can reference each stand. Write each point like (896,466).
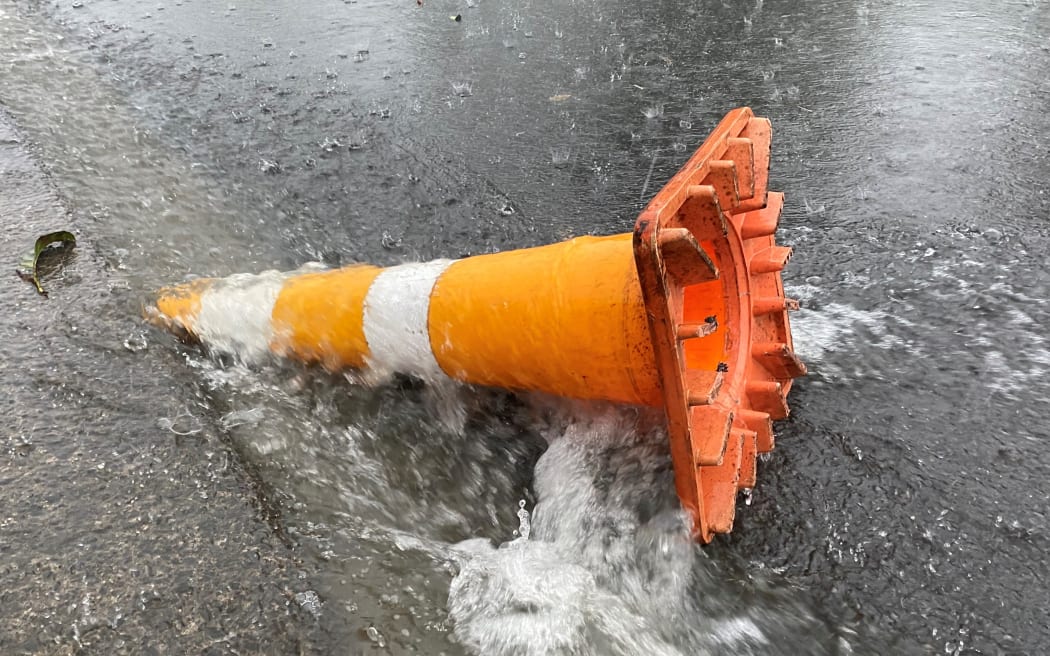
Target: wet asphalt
(906,500)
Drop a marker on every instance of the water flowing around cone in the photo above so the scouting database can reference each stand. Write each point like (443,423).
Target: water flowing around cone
(687,313)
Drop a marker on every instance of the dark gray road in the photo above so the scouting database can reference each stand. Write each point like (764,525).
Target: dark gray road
(153,500)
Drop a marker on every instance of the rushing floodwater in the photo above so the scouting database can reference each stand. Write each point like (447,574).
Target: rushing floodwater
(160,500)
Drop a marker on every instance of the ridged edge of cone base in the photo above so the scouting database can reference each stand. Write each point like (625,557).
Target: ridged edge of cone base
(711,231)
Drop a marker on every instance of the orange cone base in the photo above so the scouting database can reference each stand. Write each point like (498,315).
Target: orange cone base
(710,269)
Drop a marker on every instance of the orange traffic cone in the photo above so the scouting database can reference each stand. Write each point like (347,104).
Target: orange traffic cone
(688,313)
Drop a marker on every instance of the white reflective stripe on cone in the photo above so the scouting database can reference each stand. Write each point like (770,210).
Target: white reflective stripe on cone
(395,319)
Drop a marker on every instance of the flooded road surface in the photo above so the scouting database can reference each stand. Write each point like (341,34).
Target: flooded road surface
(119,533)
(157,500)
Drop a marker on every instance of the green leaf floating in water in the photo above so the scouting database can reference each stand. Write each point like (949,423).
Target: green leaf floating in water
(28,270)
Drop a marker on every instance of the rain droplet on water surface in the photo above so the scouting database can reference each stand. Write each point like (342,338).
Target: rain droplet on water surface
(269,166)
(655,111)
(242,417)
(181,424)
(329,144)
(357,141)
(375,636)
(136,342)
(310,602)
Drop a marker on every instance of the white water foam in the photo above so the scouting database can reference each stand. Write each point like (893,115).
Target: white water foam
(235,313)
(604,563)
(836,328)
(1027,366)
(609,567)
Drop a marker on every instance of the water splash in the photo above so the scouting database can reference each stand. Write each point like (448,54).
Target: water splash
(560,155)
(310,602)
(609,565)
(603,562)
(524,527)
(136,342)
(242,417)
(235,314)
(182,424)
(375,636)
(655,111)
(820,334)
